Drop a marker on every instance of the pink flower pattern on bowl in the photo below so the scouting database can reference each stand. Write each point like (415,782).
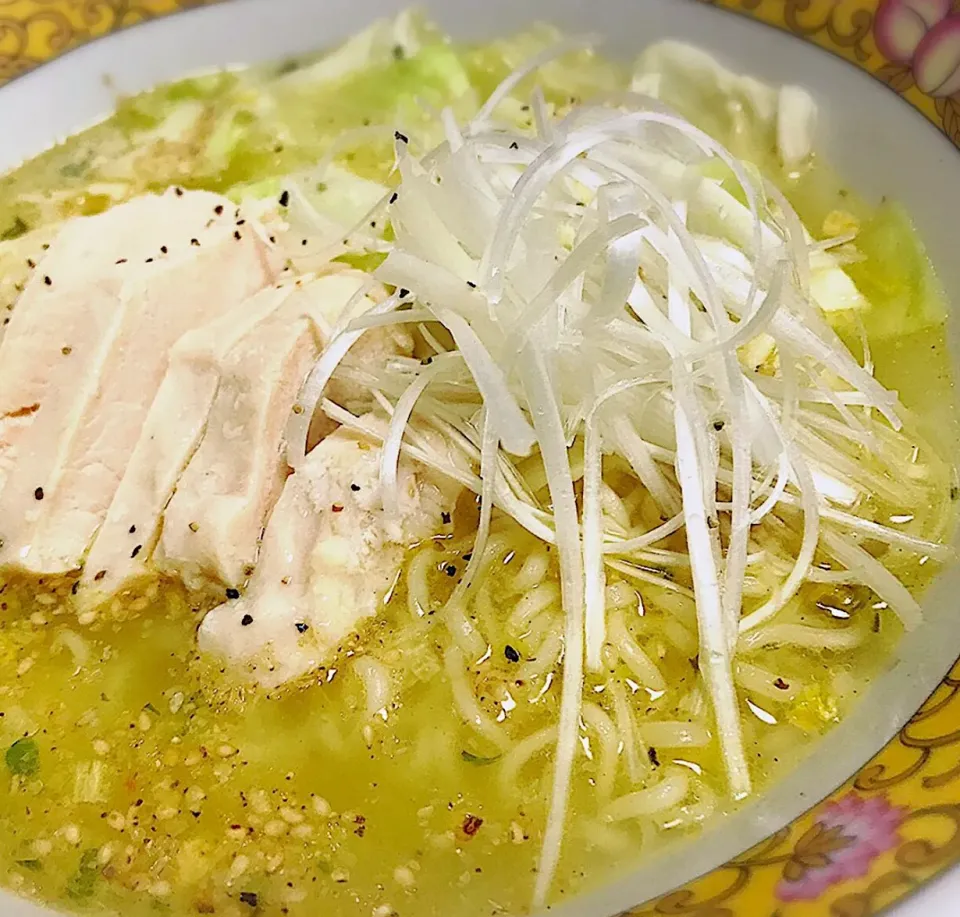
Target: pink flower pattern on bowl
(842,844)
(923,35)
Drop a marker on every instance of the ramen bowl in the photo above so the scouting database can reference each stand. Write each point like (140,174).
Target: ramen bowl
(872,812)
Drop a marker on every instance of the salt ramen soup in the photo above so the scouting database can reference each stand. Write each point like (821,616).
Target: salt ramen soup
(590,519)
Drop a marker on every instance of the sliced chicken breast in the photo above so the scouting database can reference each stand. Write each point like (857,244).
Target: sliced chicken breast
(170,437)
(330,555)
(87,350)
(213,525)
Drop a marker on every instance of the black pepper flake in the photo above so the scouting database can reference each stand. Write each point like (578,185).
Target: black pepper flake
(355,487)
(403,292)
(446,517)
(301,627)
(718,425)
(304,243)
(31,263)
(136,550)
(178,192)
(149,260)
(246,620)
(250,899)
(133,529)
(468,555)
(233,593)
(514,145)
(471,284)
(955,493)
(218,210)
(164,249)
(47,280)
(285,199)
(780,684)
(403,138)
(241,222)
(393,197)
(450,570)
(38,493)
(652,755)
(195,243)
(99,576)
(237,235)
(511,654)
(66,351)
(121,261)
(75,588)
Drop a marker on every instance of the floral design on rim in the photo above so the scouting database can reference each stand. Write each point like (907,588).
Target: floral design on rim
(921,41)
(924,37)
(847,836)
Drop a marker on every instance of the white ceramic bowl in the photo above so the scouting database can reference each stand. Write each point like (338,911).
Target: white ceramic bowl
(873,138)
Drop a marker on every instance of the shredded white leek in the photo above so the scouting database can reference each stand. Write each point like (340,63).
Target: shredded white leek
(602,295)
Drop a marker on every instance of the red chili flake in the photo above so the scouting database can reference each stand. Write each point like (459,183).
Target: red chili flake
(781,684)
(24,411)
(472,824)
(336,508)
